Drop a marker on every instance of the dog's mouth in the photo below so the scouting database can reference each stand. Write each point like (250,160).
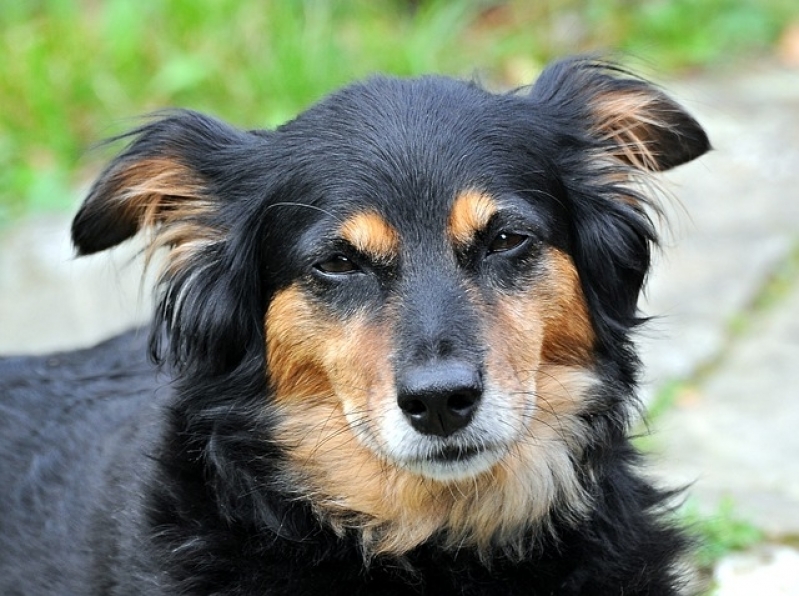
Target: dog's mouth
(455,462)
(452,454)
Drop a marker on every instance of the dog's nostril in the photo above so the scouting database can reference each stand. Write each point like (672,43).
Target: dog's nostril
(441,399)
(414,407)
(462,403)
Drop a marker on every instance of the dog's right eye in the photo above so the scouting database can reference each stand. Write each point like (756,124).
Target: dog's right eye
(337,265)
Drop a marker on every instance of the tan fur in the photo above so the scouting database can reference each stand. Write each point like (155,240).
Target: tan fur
(625,118)
(395,511)
(568,333)
(311,355)
(160,189)
(470,214)
(163,195)
(332,380)
(372,235)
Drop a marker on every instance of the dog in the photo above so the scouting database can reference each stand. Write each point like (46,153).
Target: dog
(391,354)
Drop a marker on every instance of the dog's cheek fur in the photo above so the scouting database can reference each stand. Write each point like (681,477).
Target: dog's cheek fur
(324,373)
(329,380)
(568,333)
(331,384)
(540,355)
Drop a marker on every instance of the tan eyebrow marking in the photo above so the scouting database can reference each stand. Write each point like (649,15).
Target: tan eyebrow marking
(470,214)
(372,235)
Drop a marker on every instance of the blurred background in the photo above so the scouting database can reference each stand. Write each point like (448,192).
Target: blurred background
(722,354)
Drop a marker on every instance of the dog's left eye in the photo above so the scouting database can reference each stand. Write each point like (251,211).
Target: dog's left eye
(505,241)
(337,265)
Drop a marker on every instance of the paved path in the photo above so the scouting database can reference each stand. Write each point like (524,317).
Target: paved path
(726,331)
(50,300)
(728,294)
(730,322)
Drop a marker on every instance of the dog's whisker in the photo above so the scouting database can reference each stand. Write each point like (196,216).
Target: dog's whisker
(302,205)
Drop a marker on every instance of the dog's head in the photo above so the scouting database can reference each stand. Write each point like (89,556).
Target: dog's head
(436,282)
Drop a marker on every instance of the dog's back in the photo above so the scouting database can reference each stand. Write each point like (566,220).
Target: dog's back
(73,429)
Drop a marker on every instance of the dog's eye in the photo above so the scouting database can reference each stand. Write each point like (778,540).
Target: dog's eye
(337,265)
(505,241)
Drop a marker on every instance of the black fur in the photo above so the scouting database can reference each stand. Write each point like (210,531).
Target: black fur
(124,477)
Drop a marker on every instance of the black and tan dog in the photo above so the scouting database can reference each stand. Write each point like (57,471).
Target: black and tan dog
(393,338)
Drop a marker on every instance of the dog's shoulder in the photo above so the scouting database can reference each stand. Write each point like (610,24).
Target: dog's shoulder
(115,368)
(76,428)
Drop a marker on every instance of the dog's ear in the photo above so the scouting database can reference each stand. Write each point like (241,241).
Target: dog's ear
(615,131)
(168,176)
(186,178)
(634,121)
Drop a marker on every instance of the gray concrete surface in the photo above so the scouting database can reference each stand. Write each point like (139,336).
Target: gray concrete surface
(50,300)
(735,435)
(768,570)
(734,221)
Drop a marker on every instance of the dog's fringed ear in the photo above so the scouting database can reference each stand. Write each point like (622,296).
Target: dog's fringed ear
(160,179)
(183,177)
(636,123)
(615,130)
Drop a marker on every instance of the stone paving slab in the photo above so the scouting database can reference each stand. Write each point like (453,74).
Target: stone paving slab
(737,435)
(735,217)
(769,570)
(50,300)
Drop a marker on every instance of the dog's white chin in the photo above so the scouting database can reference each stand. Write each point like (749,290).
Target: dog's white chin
(454,470)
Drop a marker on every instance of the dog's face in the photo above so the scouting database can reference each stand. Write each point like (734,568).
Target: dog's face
(438,281)
(417,352)
(428,287)
(429,331)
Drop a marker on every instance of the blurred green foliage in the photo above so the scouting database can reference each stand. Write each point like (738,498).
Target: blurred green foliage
(75,71)
(719,533)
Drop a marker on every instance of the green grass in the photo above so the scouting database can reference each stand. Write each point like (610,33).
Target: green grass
(719,533)
(76,71)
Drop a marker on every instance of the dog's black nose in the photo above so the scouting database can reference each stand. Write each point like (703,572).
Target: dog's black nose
(439,399)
